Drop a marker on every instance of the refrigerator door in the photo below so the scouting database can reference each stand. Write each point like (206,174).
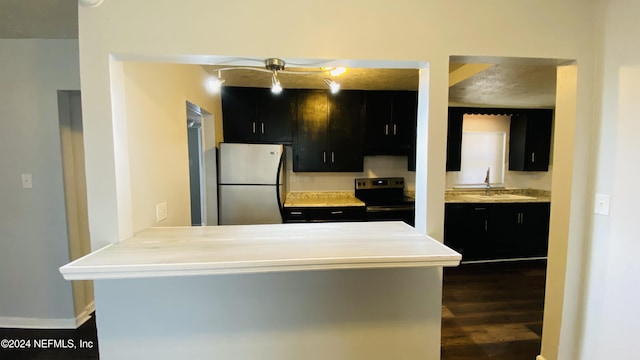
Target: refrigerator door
(249,204)
(249,163)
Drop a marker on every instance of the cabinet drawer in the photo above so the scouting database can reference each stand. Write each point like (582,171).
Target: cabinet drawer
(321,214)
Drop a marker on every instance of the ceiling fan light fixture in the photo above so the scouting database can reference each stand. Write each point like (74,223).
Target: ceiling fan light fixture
(334,87)
(215,83)
(90,3)
(276,88)
(274,64)
(337,71)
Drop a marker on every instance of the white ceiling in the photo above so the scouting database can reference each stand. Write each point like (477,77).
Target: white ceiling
(509,82)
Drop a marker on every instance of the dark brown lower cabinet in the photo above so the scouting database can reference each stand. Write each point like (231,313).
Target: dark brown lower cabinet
(324,214)
(488,231)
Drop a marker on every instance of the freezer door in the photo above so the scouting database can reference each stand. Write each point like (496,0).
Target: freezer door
(249,163)
(248,204)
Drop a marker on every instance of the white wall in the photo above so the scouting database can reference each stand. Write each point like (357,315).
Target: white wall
(33,229)
(372,314)
(512,179)
(416,32)
(612,320)
(155,97)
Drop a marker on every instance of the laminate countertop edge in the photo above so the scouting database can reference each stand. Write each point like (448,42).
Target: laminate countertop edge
(243,249)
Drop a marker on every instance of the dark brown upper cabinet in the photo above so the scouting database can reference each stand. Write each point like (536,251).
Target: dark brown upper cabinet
(390,118)
(256,115)
(454,138)
(529,133)
(329,131)
(530,140)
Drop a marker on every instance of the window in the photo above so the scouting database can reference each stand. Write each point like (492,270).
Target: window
(482,151)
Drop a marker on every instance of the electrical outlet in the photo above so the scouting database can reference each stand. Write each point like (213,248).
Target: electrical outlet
(27,181)
(161,211)
(602,204)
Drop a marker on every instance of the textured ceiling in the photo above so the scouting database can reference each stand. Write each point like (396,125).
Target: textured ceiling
(38,19)
(511,82)
(513,85)
(502,85)
(353,79)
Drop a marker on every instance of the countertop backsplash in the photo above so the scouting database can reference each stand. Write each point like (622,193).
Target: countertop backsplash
(374,166)
(516,179)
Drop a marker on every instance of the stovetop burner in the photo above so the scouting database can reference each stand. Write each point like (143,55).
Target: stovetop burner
(382,192)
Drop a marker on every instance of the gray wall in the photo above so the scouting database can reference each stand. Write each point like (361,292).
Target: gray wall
(33,233)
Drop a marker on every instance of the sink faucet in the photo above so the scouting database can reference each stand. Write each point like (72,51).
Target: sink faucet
(487,181)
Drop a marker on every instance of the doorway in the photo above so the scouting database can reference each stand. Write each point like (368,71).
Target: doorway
(196,175)
(516,83)
(75,195)
(203,173)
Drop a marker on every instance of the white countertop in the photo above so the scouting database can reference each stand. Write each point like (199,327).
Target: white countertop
(235,249)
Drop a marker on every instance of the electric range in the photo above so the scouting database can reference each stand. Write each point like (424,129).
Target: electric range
(385,199)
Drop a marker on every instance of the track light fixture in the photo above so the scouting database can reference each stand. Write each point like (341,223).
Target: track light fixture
(215,83)
(275,66)
(333,86)
(276,88)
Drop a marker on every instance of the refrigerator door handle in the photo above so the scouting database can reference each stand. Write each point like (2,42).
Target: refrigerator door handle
(278,199)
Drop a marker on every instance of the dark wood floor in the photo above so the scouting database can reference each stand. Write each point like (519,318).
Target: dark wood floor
(493,311)
(490,312)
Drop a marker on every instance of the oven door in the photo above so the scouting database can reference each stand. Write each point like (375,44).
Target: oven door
(406,213)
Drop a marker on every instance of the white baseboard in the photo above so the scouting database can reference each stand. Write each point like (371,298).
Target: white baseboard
(40,323)
(85,314)
(540,357)
(37,323)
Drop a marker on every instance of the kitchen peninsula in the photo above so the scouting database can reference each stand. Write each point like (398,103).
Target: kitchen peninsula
(284,291)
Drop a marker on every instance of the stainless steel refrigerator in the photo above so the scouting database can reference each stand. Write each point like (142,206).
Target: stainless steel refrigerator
(250,186)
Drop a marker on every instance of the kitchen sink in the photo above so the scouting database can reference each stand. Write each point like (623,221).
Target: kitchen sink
(498,197)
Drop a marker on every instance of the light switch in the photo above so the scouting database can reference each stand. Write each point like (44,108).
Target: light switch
(27,181)
(602,204)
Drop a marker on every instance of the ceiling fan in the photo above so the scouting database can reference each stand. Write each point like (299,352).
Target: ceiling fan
(275,66)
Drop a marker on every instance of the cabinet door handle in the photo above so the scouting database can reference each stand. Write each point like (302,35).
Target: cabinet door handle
(521,218)
(253,127)
(386,129)
(533,157)
(296,213)
(394,128)
(486,225)
(262,127)
(333,157)
(336,212)
(324,157)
